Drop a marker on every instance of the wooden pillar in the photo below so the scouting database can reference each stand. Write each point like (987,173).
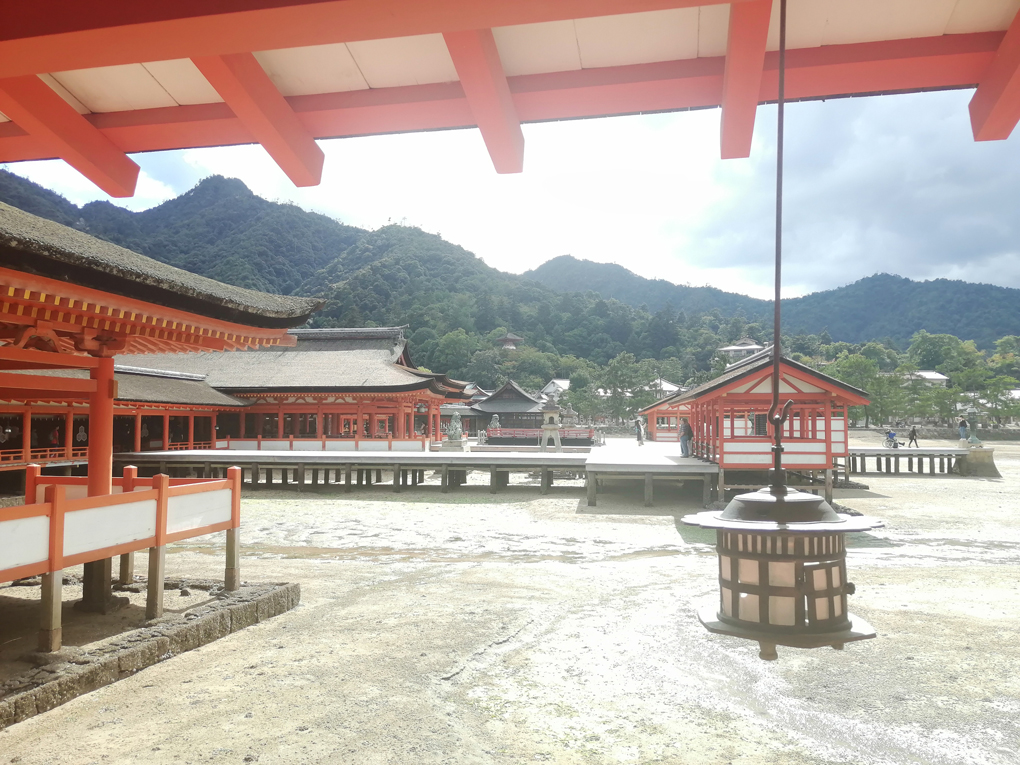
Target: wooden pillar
(191,431)
(97,587)
(279,422)
(166,431)
(255,475)
(138,432)
(722,484)
(592,488)
(347,479)
(828,486)
(127,560)
(300,476)
(445,480)
(397,482)
(546,481)
(68,432)
(50,629)
(648,489)
(26,435)
(493,479)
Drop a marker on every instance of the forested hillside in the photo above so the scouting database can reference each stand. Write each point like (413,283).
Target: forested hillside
(456,306)
(879,306)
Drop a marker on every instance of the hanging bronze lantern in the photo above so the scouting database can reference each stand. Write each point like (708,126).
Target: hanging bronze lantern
(782,571)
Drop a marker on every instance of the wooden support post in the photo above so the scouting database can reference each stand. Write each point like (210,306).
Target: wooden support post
(397,476)
(896,461)
(828,486)
(445,480)
(348,486)
(378,475)
(648,489)
(232,567)
(942,464)
(300,476)
(50,630)
(127,568)
(591,486)
(154,588)
(255,476)
(910,464)
(931,465)
(493,479)
(722,485)
(315,476)
(706,491)
(546,479)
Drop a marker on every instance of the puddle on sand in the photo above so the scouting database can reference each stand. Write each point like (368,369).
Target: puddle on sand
(394,555)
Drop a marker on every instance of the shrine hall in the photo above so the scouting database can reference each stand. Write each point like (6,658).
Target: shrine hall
(69,301)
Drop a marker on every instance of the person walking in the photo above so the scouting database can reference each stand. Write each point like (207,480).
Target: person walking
(912,437)
(686,434)
(639,431)
(962,425)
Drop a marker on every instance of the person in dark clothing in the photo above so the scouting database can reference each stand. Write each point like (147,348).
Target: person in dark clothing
(962,425)
(912,437)
(686,434)
(639,430)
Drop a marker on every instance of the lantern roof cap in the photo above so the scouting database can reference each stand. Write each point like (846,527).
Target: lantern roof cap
(797,511)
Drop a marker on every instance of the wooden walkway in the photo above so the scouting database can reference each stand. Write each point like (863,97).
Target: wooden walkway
(264,469)
(892,461)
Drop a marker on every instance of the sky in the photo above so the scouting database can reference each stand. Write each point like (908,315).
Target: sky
(892,184)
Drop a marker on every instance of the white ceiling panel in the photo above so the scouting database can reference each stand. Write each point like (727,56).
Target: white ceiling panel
(115,88)
(61,91)
(311,70)
(805,23)
(537,48)
(713,30)
(182,80)
(397,61)
(638,38)
(854,21)
(981,16)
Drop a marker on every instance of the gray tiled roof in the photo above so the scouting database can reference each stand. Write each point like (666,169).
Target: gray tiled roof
(521,402)
(155,386)
(39,246)
(320,361)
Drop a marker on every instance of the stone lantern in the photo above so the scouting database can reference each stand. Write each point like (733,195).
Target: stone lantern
(551,424)
(782,571)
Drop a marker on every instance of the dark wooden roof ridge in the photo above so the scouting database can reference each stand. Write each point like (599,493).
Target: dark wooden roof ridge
(514,386)
(447,382)
(744,368)
(44,248)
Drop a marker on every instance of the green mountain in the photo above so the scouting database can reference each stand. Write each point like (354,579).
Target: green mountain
(400,275)
(879,306)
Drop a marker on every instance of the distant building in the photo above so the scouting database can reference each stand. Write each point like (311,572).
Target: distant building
(555,387)
(509,341)
(931,377)
(743,348)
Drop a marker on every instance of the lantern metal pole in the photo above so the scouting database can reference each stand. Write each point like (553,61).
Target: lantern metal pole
(778,416)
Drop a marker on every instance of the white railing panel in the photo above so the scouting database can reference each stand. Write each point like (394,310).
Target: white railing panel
(340,446)
(408,446)
(373,446)
(247,444)
(799,447)
(740,447)
(192,511)
(100,527)
(747,459)
(308,446)
(24,541)
(275,446)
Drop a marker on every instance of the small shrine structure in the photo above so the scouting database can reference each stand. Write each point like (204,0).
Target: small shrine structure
(729,416)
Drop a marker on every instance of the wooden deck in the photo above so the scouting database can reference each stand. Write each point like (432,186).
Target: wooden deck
(350,469)
(913,460)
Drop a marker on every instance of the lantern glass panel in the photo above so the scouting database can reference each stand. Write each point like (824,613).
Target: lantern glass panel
(821,608)
(724,567)
(727,601)
(818,576)
(782,610)
(836,580)
(837,606)
(747,571)
(782,574)
(749,608)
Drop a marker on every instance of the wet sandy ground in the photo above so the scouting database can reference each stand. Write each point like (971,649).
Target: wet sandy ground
(464,628)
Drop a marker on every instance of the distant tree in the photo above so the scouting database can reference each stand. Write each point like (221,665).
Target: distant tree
(860,372)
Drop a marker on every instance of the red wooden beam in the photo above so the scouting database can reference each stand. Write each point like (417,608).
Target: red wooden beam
(745,61)
(246,88)
(38,111)
(42,386)
(481,76)
(61,35)
(995,107)
(834,70)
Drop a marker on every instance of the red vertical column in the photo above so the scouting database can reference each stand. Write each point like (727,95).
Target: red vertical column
(26,435)
(138,431)
(191,430)
(68,432)
(101,430)
(166,431)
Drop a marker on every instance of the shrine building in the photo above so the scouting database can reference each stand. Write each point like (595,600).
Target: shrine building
(729,416)
(69,301)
